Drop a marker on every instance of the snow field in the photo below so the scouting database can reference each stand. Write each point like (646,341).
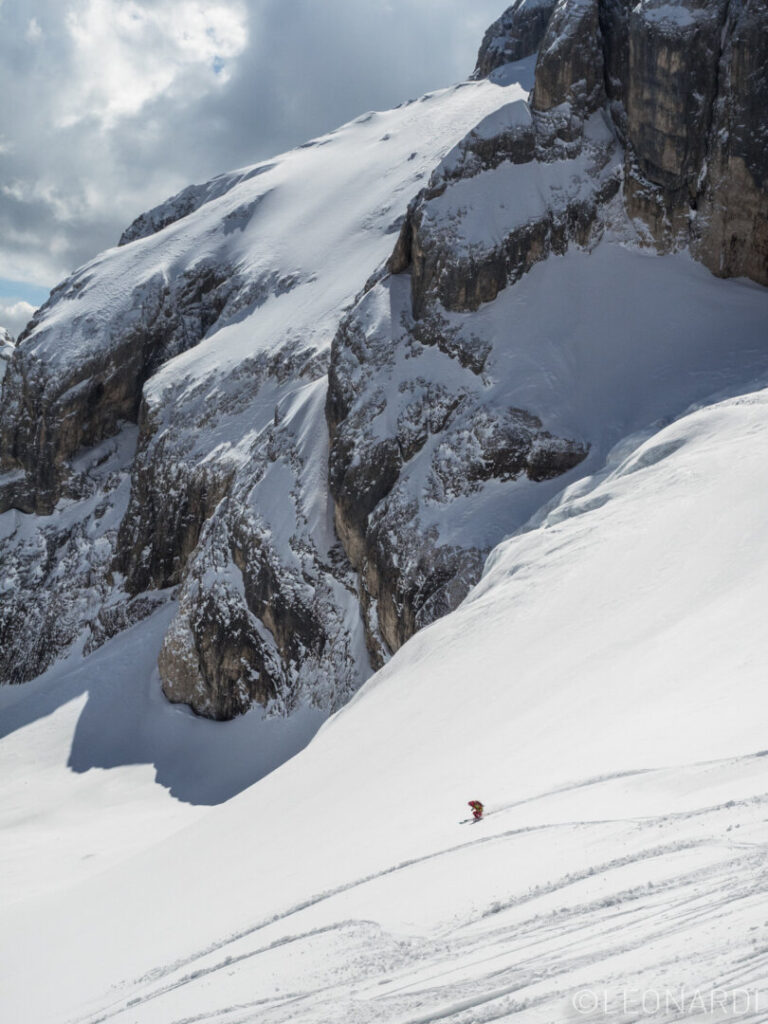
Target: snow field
(624,852)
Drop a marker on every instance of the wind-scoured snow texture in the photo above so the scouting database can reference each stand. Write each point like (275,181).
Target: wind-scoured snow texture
(449,431)
(213,333)
(602,691)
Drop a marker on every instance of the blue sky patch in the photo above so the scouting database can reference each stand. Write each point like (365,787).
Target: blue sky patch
(17,290)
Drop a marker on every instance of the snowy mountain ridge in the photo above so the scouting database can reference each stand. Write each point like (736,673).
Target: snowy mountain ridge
(234,313)
(245,274)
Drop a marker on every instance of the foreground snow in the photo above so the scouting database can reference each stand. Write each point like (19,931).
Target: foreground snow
(601,690)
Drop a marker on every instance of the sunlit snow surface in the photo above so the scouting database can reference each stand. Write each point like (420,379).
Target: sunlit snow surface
(602,691)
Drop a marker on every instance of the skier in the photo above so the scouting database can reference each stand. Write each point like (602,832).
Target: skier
(477,809)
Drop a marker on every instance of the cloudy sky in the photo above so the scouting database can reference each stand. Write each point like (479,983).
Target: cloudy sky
(110,106)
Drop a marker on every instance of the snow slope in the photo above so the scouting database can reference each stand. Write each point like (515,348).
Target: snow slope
(597,345)
(230,311)
(313,221)
(601,690)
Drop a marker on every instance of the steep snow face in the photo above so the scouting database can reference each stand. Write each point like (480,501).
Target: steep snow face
(214,332)
(486,410)
(336,196)
(601,691)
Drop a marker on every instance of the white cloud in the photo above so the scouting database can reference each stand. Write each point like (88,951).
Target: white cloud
(14,316)
(63,207)
(117,104)
(127,54)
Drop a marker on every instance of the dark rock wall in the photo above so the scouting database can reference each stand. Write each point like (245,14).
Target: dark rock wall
(516,34)
(686,87)
(731,235)
(46,418)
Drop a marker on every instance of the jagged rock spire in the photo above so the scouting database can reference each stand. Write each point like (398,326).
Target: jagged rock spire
(516,34)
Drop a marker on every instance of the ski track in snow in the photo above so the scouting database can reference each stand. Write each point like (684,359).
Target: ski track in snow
(630,853)
(393,978)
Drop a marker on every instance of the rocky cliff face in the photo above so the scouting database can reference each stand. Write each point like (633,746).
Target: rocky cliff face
(663,101)
(209,330)
(421,431)
(730,222)
(686,86)
(223,414)
(626,112)
(60,400)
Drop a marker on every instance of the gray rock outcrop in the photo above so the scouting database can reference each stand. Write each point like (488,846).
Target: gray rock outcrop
(419,429)
(663,101)
(49,416)
(516,34)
